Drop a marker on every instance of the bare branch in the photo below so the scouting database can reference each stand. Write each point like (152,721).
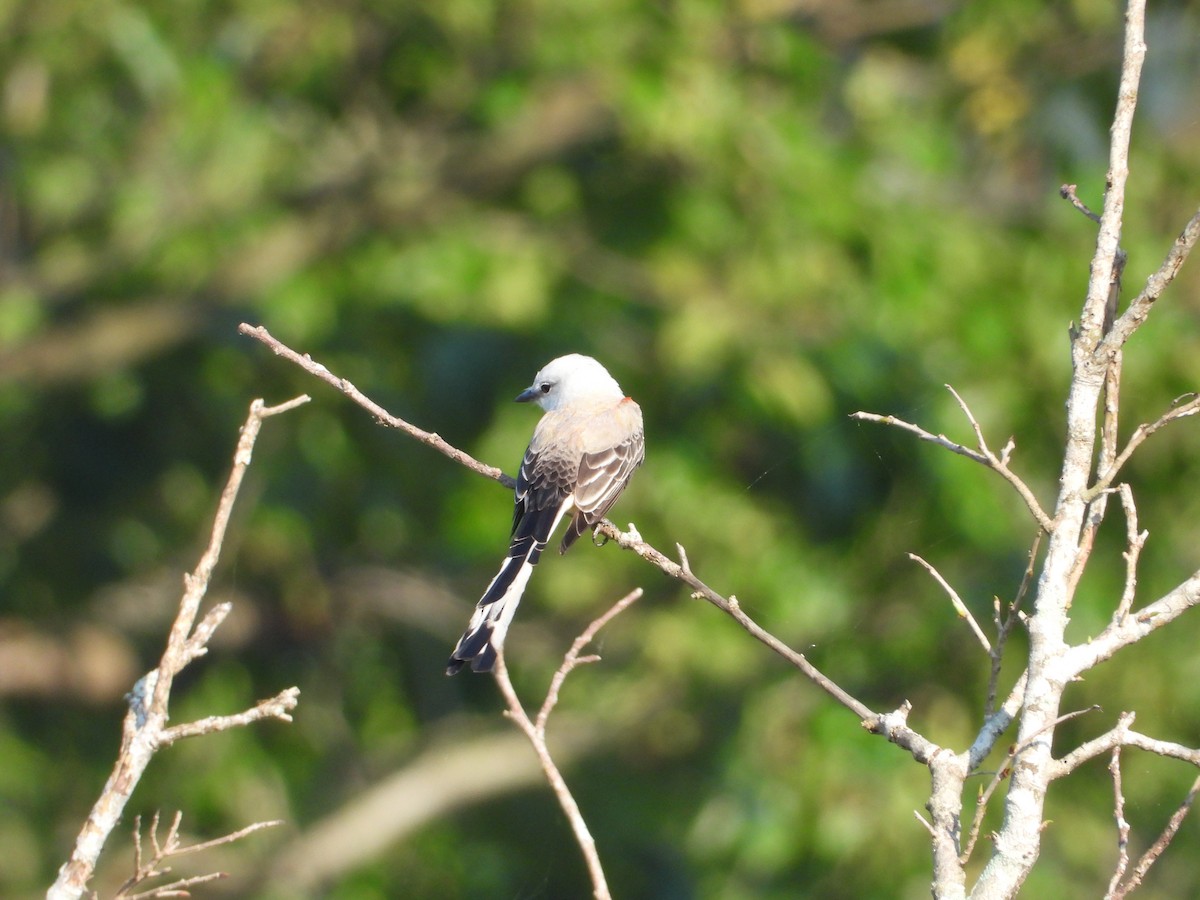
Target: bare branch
(278,707)
(996,724)
(381,415)
(1018,842)
(1114,768)
(983,455)
(1091,325)
(1132,628)
(924,821)
(1135,540)
(1156,849)
(1067,192)
(536,732)
(1005,624)
(573,659)
(1187,405)
(940,439)
(197,643)
(956,602)
(453,771)
(962,404)
(144,729)
(178,653)
(228,838)
(175,888)
(166,849)
(1139,308)
(1121,735)
(682,571)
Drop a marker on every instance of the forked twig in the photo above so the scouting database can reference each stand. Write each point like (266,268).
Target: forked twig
(535,730)
(983,455)
(172,846)
(1150,857)
(1187,405)
(1140,306)
(573,659)
(1127,737)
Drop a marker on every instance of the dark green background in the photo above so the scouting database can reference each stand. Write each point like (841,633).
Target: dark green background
(761,216)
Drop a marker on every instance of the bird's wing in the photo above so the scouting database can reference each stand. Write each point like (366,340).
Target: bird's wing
(544,494)
(604,470)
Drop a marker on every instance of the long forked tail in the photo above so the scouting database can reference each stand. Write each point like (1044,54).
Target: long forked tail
(494,612)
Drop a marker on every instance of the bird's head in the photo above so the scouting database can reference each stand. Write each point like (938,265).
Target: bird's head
(570,379)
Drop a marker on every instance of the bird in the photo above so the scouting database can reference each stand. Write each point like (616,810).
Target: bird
(584,450)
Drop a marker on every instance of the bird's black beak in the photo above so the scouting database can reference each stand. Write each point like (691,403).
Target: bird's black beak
(526,395)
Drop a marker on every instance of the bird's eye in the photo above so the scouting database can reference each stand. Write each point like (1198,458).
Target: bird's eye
(545,387)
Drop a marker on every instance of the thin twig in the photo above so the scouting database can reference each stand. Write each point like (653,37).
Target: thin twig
(981,805)
(170,847)
(1126,737)
(1135,541)
(1150,857)
(924,821)
(277,707)
(1067,192)
(536,732)
(175,888)
(1114,768)
(956,601)
(228,838)
(1005,625)
(983,455)
(308,364)
(1065,717)
(573,659)
(682,571)
(1187,405)
(1140,306)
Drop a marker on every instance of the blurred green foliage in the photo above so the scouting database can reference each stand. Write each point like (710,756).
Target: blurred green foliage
(761,217)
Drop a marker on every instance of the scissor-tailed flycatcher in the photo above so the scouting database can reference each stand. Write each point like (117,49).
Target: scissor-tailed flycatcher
(582,454)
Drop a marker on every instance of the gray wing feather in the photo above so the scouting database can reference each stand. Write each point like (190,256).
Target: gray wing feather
(602,477)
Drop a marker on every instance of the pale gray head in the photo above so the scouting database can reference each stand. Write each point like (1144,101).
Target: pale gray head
(571,379)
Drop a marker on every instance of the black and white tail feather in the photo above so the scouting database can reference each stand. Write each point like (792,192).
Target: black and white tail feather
(494,612)
(582,455)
